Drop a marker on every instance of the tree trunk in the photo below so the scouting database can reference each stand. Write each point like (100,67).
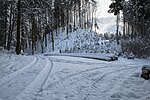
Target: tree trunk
(123,26)
(95,22)
(32,40)
(5,27)
(45,40)
(42,47)
(10,27)
(52,35)
(18,46)
(74,25)
(92,18)
(33,34)
(117,30)
(79,13)
(67,22)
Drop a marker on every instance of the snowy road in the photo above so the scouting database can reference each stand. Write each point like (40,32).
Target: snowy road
(72,78)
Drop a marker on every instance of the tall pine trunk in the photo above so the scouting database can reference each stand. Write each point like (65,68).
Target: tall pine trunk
(33,34)
(74,17)
(52,35)
(92,17)
(67,22)
(18,46)
(117,30)
(10,28)
(5,26)
(79,8)
(124,25)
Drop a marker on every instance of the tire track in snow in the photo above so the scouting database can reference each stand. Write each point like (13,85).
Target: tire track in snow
(2,70)
(35,87)
(86,71)
(100,87)
(8,65)
(15,86)
(75,79)
(100,83)
(13,75)
(112,72)
(80,72)
(72,75)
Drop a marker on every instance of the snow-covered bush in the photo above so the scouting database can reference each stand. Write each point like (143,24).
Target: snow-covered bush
(140,47)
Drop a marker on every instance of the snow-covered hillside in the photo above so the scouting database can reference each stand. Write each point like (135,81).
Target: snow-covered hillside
(83,41)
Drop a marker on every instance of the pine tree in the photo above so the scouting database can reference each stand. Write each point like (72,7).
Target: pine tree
(115,8)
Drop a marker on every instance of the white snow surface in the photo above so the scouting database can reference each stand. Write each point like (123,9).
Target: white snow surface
(64,77)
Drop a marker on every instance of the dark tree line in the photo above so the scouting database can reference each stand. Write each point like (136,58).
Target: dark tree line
(136,25)
(137,15)
(24,23)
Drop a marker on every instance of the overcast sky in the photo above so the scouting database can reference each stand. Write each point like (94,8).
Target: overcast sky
(103,7)
(107,20)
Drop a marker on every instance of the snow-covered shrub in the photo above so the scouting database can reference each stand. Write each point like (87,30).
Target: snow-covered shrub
(140,47)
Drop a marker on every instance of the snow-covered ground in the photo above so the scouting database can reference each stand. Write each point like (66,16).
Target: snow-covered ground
(63,77)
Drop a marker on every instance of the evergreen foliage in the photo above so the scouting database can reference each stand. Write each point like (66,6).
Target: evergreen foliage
(136,28)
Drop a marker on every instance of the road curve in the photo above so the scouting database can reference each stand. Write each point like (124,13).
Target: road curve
(35,87)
